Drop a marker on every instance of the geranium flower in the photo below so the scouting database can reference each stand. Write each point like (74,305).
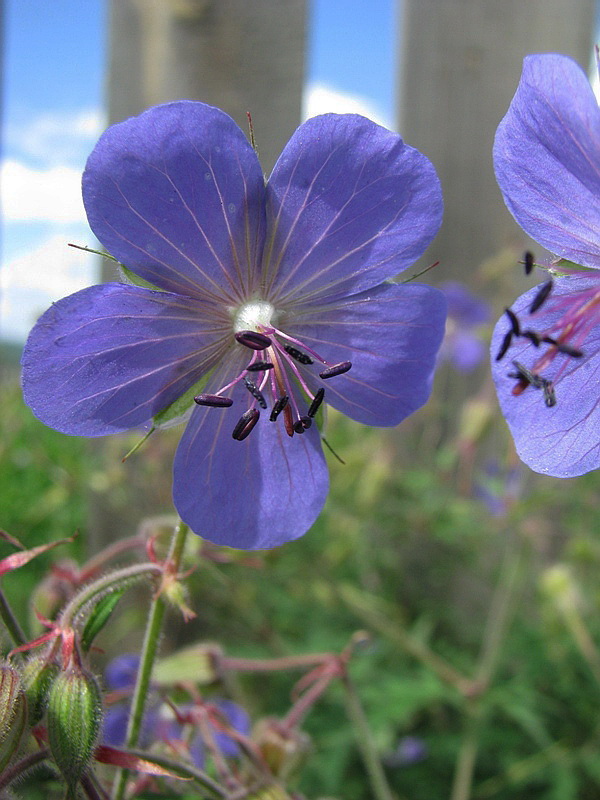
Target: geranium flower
(463,345)
(258,300)
(546,358)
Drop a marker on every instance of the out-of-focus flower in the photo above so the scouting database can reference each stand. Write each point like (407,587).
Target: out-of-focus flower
(463,345)
(546,349)
(410,750)
(255,300)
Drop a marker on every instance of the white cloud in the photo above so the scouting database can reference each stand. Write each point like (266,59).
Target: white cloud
(30,282)
(322,99)
(54,138)
(41,195)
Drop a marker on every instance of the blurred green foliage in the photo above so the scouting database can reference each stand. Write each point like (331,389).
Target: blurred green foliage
(408,550)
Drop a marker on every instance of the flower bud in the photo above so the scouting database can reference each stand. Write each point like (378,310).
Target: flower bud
(38,677)
(283,749)
(74,721)
(269,793)
(13,713)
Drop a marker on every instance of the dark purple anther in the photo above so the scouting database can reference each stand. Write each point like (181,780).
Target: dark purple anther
(504,346)
(278,407)
(514,322)
(213,400)
(255,392)
(245,424)
(336,369)
(526,376)
(317,400)
(533,337)
(528,262)
(298,355)
(259,366)
(253,340)
(549,394)
(564,348)
(541,296)
(303,424)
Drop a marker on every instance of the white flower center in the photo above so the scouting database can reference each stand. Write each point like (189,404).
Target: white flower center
(253,316)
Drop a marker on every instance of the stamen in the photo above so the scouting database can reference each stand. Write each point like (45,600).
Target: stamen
(213,400)
(533,337)
(259,366)
(298,355)
(278,407)
(525,377)
(255,392)
(506,342)
(317,400)
(253,340)
(336,369)
(549,394)
(528,262)
(245,424)
(541,296)
(302,424)
(574,352)
(514,322)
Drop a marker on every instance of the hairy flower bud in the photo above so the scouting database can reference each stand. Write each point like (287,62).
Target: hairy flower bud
(13,713)
(38,677)
(74,721)
(282,749)
(269,793)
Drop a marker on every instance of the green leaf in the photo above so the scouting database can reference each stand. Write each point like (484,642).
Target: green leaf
(99,617)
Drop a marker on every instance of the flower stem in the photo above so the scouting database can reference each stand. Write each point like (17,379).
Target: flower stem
(500,612)
(148,655)
(11,622)
(21,767)
(366,745)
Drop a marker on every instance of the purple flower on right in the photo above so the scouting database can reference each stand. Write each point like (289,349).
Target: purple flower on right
(546,349)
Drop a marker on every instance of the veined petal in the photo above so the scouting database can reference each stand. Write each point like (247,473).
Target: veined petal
(563,440)
(258,493)
(177,194)
(110,357)
(547,158)
(391,334)
(348,206)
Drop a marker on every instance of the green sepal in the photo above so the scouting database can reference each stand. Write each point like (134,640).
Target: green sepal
(129,276)
(74,722)
(564,266)
(99,617)
(11,741)
(38,677)
(182,404)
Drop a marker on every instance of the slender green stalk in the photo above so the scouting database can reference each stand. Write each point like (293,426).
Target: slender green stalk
(499,615)
(148,655)
(366,745)
(11,622)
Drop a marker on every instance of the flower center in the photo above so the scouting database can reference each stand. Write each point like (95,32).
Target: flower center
(253,316)
(579,313)
(282,373)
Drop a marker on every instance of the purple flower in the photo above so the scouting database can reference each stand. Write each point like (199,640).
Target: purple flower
(546,355)
(255,300)
(462,345)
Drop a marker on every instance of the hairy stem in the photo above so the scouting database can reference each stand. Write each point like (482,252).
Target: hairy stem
(147,656)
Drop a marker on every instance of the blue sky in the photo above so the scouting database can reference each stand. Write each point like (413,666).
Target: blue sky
(53,112)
